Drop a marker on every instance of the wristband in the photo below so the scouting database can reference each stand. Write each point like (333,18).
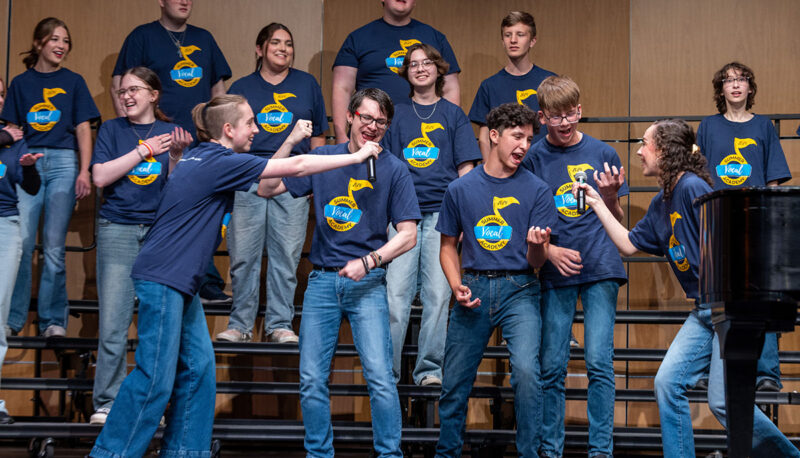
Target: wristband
(140,151)
(377,258)
(366,264)
(149,149)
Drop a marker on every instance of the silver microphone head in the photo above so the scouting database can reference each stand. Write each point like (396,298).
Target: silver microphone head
(580,177)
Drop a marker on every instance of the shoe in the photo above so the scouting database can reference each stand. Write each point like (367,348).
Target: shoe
(99,416)
(54,330)
(701,384)
(768,385)
(283,336)
(10,332)
(573,342)
(213,295)
(5,418)
(232,335)
(715,454)
(430,380)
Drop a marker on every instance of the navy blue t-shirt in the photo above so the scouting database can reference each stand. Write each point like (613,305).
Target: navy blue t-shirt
(279,107)
(584,233)
(48,107)
(672,229)
(377,50)
(10,176)
(742,153)
(133,199)
(495,214)
(352,213)
(432,147)
(186,75)
(186,231)
(503,87)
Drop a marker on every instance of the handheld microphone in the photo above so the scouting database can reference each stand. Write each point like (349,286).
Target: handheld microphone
(580,177)
(371,169)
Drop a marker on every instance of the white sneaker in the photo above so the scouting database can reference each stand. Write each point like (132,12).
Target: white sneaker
(283,336)
(232,335)
(99,417)
(430,380)
(54,330)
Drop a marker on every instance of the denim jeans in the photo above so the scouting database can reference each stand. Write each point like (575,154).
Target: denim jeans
(58,170)
(117,248)
(689,354)
(599,301)
(769,366)
(511,302)
(328,299)
(10,253)
(175,364)
(420,263)
(279,225)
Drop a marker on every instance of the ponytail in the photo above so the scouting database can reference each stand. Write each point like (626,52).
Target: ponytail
(210,117)
(41,33)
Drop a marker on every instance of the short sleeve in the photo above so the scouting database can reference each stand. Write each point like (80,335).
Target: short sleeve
(480,106)
(447,53)
(103,147)
(775,166)
(320,117)
(701,137)
(449,224)
(298,186)
(12,105)
(131,54)
(83,104)
(238,172)
(221,69)
(544,213)
(644,235)
(465,146)
(347,55)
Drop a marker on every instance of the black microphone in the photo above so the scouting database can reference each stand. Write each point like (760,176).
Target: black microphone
(371,169)
(580,177)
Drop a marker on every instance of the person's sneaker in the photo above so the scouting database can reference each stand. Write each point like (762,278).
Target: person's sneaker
(283,336)
(54,330)
(99,416)
(573,342)
(430,380)
(701,384)
(768,385)
(5,418)
(213,295)
(233,335)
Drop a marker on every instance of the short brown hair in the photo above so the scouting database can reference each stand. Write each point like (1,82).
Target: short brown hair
(515,17)
(210,117)
(431,53)
(722,73)
(558,93)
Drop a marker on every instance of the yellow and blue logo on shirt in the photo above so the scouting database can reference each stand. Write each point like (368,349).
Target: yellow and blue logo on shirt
(676,250)
(524,94)
(342,212)
(395,59)
(492,231)
(2,170)
(275,117)
(186,72)
(734,170)
(225,221)
(565,201)
(146,172)
(421,152)
(44,115)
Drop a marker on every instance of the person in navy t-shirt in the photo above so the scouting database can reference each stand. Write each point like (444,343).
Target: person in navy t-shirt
(671,228)
(349,251)
(516,82)
(505,215)
(372,55)
(433,137)
(130,165)
(174,356)
(743,149)
(280,96)
(54,108)
(583,263)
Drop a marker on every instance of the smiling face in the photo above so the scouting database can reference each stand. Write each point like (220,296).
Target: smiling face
(137,98)
(648,154)
(517,40)
(511,145)
(277,53)
(54,49)
(421,75)
(241,133)
(362,132)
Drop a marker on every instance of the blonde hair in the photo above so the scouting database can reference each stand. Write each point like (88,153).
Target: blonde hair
(558,93)
(210,117)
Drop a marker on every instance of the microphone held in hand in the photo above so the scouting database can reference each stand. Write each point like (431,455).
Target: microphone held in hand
(580,177)
(371,169)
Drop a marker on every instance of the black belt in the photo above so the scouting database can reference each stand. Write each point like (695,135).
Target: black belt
(498,273)
(328,269)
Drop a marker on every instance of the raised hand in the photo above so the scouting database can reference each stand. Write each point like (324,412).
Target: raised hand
(609,181)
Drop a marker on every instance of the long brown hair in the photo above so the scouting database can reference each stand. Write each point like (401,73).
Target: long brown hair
(151,79)
(266,34)
(44,29)
(675,141)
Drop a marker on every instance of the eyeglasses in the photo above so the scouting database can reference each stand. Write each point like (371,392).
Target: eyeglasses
(571,118)
(131,91)
(738,79)
(367,119)
(419,64)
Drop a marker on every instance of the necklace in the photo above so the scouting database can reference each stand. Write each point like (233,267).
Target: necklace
(147,135)
(175,41)
(414,106)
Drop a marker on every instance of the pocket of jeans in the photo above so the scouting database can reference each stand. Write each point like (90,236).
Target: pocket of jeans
(525,281)
(102,222)
(468,279)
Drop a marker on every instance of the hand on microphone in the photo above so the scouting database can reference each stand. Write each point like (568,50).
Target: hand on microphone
(580,198)
(591,196)
(369,152)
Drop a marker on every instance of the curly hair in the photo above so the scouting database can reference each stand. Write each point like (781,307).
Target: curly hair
(722,73)
(510,115)
(674,140)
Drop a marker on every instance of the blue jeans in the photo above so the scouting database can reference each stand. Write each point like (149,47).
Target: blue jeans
(769,366)
(695,345)
(175,364)
(511,302)
(420,263)
(117,248)
(279,224)
(599,301)
(328,299)
(58,170)
(10,253)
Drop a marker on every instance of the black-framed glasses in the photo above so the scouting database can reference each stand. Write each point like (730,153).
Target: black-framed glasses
(571,118)
(367,119)
(131,91)
(737,79)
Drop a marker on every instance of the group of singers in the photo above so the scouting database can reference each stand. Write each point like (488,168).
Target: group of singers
(492,221)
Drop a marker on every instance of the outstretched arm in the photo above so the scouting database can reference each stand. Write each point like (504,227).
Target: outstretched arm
(616,231)
(608,183)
